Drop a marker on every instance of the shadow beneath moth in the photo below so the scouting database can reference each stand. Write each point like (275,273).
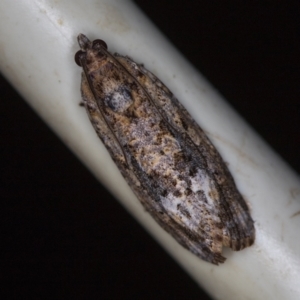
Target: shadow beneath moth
(165,157)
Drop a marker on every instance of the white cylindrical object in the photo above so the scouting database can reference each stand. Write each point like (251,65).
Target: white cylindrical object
(47,31)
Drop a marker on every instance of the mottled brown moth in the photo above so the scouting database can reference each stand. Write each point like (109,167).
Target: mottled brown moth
(165,157)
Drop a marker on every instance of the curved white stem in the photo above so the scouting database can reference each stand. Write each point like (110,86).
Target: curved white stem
(44,72)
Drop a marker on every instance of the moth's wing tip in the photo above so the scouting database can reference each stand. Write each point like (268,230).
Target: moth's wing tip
(238,245)
(218,259)
(251,240)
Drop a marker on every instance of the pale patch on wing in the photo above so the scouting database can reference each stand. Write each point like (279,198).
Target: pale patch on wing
(196,211)
(202,182)
(181,212)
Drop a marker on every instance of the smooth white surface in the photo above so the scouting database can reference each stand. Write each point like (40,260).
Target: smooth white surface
(47,31)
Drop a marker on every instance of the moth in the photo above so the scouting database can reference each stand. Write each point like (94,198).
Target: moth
(163,154)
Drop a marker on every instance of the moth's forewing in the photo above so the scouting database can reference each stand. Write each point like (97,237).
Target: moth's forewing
(165,157)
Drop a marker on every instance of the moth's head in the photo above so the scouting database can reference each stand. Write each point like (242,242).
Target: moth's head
(85,45)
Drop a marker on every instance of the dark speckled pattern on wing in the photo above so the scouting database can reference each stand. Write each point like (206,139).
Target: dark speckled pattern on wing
(165,157)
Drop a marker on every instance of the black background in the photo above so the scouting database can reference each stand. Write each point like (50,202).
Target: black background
(62,234)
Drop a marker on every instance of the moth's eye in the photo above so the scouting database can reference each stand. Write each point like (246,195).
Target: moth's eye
(99,43)
(79,54)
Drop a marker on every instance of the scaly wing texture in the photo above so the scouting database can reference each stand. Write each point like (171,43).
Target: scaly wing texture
(165,157)
(239,229)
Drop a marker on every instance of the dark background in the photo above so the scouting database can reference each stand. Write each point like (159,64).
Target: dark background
(63,235)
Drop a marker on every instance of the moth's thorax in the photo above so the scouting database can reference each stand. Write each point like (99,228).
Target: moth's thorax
(95,60)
